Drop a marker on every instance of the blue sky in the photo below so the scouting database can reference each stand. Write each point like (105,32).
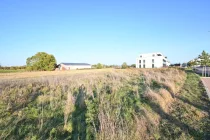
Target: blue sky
(108,31)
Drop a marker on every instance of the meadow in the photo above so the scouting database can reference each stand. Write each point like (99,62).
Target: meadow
(10,71)
(15,74)
(106,104)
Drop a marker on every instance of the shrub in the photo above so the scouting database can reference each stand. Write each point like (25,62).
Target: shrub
(41,62)
(124,65)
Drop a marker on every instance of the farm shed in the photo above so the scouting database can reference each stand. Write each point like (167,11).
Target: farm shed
(73,66)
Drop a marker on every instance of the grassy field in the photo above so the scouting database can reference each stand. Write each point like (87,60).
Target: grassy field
(22,74)
(40,74)
(107,104)
(11,71)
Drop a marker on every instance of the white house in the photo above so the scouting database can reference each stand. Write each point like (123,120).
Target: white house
(73,66)
(152,60)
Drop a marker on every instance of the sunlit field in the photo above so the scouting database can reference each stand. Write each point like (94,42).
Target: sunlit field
(106,104)
(5,74)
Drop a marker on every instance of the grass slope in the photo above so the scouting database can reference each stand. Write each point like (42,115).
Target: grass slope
(190,114)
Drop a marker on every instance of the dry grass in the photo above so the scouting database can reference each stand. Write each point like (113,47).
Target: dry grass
(58,88)
(39,74)
(171,78)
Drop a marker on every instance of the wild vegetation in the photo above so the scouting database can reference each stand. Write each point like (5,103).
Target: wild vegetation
(107,105)
(189,115)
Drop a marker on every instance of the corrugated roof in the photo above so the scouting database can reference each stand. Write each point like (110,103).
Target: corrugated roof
(76,64)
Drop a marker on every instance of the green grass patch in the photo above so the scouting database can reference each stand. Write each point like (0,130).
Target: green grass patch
(189,117)
(11,71)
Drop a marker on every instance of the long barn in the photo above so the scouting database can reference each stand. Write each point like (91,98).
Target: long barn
(73,66)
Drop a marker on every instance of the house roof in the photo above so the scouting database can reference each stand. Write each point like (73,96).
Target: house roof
(76,64)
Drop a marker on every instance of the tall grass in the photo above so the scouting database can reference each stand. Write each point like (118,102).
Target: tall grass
(189,116)
(106,105)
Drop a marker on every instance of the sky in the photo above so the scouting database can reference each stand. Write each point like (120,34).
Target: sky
(105,31)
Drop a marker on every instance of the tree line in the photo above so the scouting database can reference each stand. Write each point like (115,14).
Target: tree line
(202,60)
(47,62)
(12,67)
(123,66)
(43,61)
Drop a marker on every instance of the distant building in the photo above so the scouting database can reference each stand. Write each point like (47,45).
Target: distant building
(73,66)
(152,60)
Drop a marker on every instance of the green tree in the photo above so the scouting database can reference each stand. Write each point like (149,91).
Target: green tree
(124,65)
(204,60)
(41,62)
(99,66)
(192,63)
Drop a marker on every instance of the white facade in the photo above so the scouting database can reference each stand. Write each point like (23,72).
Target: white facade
(152,60)
(74,66)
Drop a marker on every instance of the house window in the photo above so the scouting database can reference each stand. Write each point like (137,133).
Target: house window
(139,66)
(139,61)
(153,55)
(153,65)
(140,55)
(144,66)
(144,61)
(153,61)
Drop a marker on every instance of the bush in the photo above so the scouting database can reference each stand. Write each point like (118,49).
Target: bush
(99,66)
(124,65)
(41,62)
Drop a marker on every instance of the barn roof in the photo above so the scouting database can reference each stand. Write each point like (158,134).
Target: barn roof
(76,64)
